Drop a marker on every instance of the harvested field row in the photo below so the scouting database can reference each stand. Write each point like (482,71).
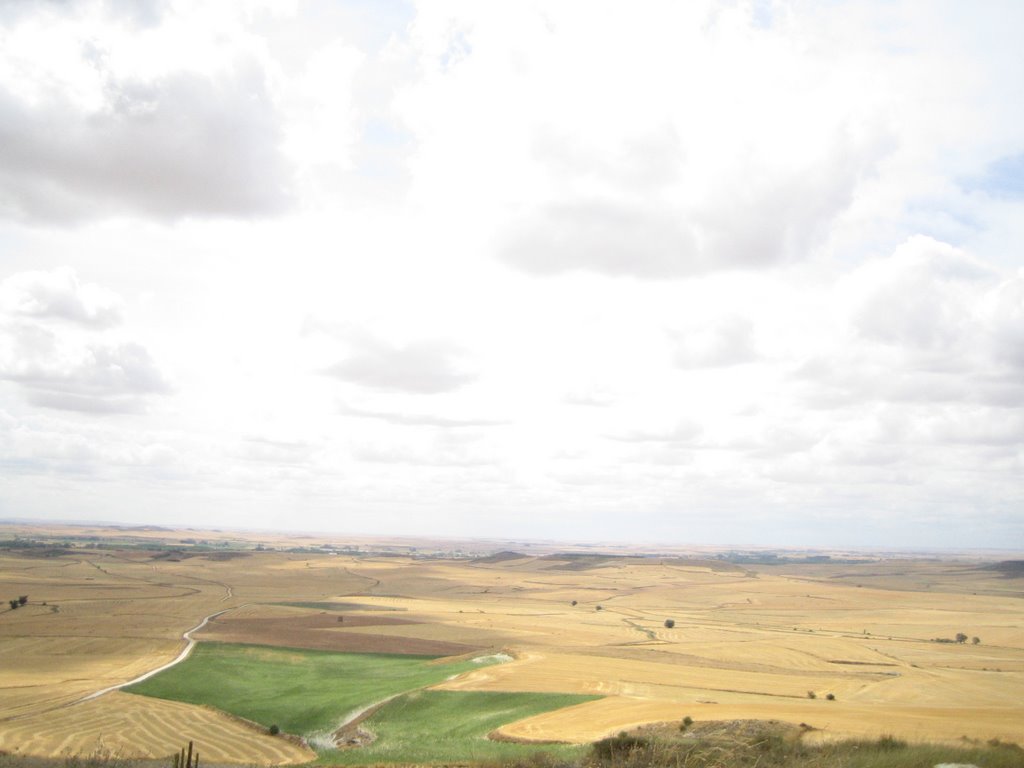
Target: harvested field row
(44,674)
(558,672)
(131,726)
(604,717)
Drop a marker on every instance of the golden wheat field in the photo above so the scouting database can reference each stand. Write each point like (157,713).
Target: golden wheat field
(748,641)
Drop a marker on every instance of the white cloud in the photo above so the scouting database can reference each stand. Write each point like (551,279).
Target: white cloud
(119,122)
(97,378)
(278,452)
(605,237)
(419,367)
(925,296)
(590,397)
(444,450)
(684,432)
(729,341)
(418,419)
(58,294)
(1006,315)
(170,148)
(55,345)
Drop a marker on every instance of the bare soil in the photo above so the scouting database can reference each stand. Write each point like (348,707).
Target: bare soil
(323,632)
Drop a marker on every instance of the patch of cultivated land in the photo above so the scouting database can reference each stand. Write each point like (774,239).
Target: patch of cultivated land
(749,641)
(445,727)
(334,632)
(306,692)
(301,691)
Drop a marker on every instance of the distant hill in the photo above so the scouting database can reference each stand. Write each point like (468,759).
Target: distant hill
(1011,569)
(500,557)
(580,561)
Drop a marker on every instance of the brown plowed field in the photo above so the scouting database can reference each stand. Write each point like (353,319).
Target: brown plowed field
(323,632)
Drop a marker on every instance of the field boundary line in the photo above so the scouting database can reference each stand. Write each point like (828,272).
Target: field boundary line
(186,651)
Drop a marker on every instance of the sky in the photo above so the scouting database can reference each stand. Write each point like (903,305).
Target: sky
(720,273)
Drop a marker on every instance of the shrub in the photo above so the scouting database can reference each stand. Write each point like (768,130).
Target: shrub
(830,696)
(274,730)
(812,695)
(773,746)
(891,743)
(619,747)
(669,623)
(573,603)
(975,640)
(687,722)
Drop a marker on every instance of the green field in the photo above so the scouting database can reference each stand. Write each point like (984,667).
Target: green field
(446,726)
(300,691)
(308,692)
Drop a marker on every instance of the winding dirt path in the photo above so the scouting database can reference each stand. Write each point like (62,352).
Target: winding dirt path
(191,642)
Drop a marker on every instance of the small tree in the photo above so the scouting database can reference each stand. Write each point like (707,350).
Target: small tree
(812,695)
(274,730)
(669,623)
(830,696)
(14,603)
(573,603)
(975,640)
(23,599)
(961,637)
(599,608)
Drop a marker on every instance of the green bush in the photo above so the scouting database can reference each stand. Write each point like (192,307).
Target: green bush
(890,743)
(620,747)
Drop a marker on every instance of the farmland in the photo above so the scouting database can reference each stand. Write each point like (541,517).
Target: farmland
(750,641)
(442,726)
(301,691)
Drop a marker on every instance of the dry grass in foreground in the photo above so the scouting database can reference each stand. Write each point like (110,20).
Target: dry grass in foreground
(767,744)
(735,744)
